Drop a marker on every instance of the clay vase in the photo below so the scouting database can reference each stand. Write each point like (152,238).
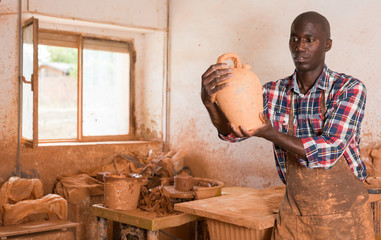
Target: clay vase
(241,101)
(122,191)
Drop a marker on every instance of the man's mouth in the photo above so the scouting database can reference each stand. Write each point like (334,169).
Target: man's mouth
(300,59)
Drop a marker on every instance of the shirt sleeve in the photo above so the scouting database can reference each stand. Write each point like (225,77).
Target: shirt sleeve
(230,138)
(342,122)
(265,100)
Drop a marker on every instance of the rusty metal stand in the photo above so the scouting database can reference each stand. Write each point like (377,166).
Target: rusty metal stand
(102,228)
(129,232)
(152,235)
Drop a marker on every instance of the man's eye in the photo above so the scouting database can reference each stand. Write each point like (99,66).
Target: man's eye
(310,40)
(293,39)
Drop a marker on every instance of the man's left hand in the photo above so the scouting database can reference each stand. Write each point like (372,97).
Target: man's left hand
(261,131)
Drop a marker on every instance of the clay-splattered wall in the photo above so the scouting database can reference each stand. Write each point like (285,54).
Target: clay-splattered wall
(49,162)
(199,32)
(258,32)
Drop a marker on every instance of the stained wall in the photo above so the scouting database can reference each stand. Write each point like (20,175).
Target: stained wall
(258,32)
(145,21)
(199,32)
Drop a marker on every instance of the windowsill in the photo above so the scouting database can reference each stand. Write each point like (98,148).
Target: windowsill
(59,144)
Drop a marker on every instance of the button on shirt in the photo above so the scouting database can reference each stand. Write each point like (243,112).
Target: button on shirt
(324,141)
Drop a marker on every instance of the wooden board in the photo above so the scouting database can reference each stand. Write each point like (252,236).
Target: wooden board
(35,227)
(143,219)
(254,209)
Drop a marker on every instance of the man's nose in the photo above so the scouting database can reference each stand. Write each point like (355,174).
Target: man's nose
(300,45)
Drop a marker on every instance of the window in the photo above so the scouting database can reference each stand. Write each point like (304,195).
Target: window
(76,87)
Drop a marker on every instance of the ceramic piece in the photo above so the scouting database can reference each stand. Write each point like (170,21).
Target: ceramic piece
(242,100)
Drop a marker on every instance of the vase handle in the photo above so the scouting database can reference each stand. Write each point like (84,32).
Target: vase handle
(233,57)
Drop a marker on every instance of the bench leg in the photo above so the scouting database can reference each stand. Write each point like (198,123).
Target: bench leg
(128,232)
(102,228)
(152,235)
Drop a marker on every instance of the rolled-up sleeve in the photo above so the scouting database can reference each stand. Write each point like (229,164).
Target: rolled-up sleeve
(230,138)
(340,127)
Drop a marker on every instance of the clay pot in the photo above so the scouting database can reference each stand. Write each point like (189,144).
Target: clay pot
(183,182)
(242,100)
(122,191)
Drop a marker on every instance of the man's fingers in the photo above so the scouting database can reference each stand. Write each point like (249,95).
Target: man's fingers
(235,131)
(262,117)
(217,77)
(213,68)
(218,88)
(245,132)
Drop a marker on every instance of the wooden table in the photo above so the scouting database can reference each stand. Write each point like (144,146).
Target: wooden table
(35,227)
(247,214)
(136,222)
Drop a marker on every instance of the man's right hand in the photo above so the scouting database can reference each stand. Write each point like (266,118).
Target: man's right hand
(213,81)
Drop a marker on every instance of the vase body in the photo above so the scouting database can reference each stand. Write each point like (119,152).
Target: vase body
(242,100)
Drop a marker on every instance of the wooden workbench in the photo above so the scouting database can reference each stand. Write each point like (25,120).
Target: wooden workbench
(248,211)
(139,219)
(35,227)
(254,209)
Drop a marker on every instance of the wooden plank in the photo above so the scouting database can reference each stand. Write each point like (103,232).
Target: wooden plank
(143,219)
(35,227)
(254,209)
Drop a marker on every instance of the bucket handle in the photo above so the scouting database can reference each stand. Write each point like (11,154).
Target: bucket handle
(234,57)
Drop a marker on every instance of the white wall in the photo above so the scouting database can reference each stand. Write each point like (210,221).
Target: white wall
(258,31)
(145,21)
(142,13)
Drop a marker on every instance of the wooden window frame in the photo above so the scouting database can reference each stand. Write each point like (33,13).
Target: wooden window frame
(73,39)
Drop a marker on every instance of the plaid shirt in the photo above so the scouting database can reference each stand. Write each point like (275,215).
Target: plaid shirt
(324,141)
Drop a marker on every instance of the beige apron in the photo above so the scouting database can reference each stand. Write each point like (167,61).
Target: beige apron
(323,204)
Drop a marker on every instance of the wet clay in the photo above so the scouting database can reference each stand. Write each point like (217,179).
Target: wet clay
(51,206)
(202,188)
(122,191)
(155,200)
(241,101)
(183,182)
(376,155)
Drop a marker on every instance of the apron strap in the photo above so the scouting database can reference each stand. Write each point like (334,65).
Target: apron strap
(323,108)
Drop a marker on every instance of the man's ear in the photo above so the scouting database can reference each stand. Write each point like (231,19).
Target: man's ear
(328,45)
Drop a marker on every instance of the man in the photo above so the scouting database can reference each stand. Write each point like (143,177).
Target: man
(313,119)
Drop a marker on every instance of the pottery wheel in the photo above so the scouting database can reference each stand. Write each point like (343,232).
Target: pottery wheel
(173,193)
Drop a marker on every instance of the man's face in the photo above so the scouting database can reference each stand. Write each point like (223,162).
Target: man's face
(308,44)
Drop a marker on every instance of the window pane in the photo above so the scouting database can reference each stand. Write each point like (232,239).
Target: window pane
(106,89)
(58,85)
(27,99)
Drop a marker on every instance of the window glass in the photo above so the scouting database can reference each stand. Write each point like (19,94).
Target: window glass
(58,86)
(82,92)
(106,90)
(27,99)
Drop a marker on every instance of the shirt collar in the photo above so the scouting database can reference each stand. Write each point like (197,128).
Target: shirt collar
(322,82)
